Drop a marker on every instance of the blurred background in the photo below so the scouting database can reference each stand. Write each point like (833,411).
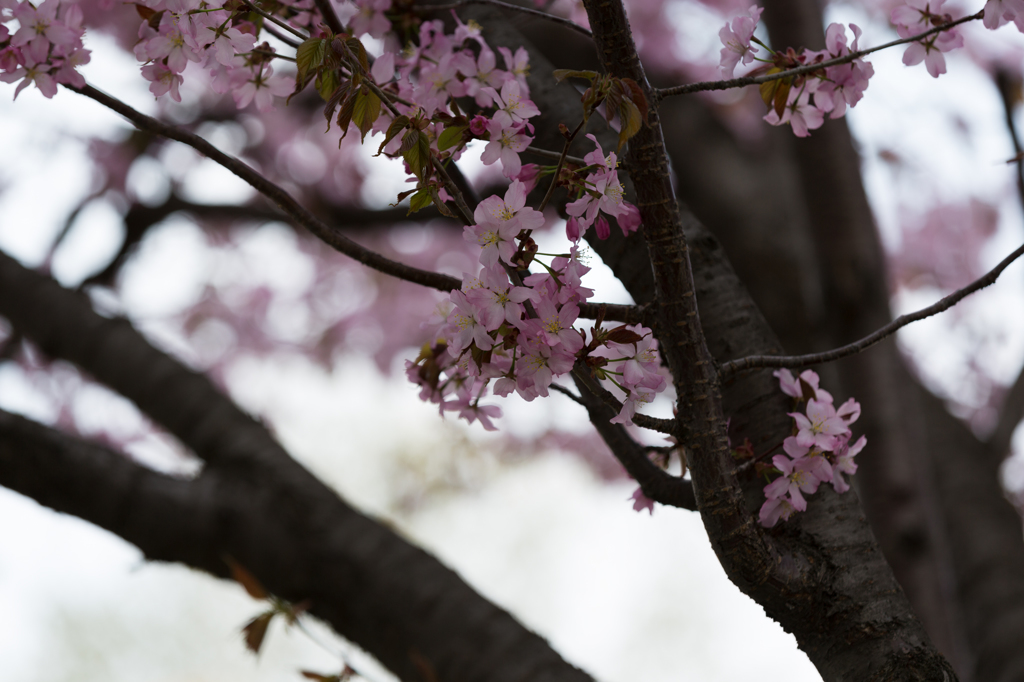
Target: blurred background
(536,517)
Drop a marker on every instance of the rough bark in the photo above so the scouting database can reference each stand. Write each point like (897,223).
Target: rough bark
(895,477)
(874,635)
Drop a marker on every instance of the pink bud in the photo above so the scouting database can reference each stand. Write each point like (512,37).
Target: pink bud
(478,126)
(572,229)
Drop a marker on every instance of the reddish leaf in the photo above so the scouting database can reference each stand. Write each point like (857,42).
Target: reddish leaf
(243,577)
(256,630)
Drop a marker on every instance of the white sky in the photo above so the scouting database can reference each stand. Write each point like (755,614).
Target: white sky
(542,537)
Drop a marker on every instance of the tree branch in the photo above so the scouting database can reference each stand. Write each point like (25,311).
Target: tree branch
(705,86)
(251,501)
(512,8)
(655,482)
(599,393)
(296,212)
(729,369)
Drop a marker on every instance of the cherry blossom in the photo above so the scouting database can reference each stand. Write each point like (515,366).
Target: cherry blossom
(736,39)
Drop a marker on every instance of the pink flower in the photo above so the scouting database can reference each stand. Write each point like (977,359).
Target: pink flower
(262,88)
(918,16)
(498,223)
(163,80)
(512,107)
(641,501)
(32,72)
(737,40)
(799,113)
(774,509)
(505,144)
(553,325)
(999,12)
(845,464)
(796,477)
(638,397)
(820,427)
(478,125)
(465,326)
(808,380)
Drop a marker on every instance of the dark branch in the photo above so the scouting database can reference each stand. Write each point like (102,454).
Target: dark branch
(273,19)
(666,426)
(512,8)
(251,501)
(655,482)
(329,15)
(554,156)
(705,86)
(296,212)
(732,367)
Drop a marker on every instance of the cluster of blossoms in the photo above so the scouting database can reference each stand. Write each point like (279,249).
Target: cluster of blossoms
(803,101)
(427,76)
(176,32)
(506,325)
(45,49)
(522,336)
(819,451)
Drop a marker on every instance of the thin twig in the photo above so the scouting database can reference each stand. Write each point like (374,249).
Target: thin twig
(329,15)
(653,423)
(298,213)
(282,37)
(732,367)
(512,8)
(807,68)
(271,53)
(272,18)
(554,156)
(561,162)
(564,391)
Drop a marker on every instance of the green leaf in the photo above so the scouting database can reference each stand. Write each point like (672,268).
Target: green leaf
(397,126)
(561,74)
(450,137)
(419,200)
(629,121)
(635,93)
(416,152)
(775,93)
(365,110)
(360,53)
(326,83)
(308,58)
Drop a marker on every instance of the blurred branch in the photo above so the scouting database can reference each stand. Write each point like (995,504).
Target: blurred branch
(1010,414)
(140,218)
(1012,410)
(728,369)
(252,501)
(1009,87)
